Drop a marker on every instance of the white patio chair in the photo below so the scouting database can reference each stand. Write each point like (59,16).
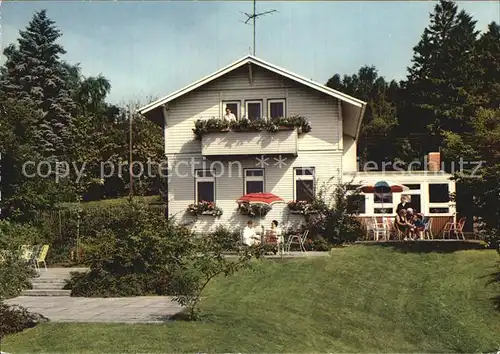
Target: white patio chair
(298,239)
(428,228)
(379,229)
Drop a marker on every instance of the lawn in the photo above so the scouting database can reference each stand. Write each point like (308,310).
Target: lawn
(361,299)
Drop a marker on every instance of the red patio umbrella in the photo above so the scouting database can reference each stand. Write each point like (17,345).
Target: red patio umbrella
(260,198)
(383,188)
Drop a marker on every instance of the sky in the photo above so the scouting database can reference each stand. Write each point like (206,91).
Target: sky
(149,49)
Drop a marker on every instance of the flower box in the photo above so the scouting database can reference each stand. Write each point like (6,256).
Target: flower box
(253,209)
(205,126)
(204,208)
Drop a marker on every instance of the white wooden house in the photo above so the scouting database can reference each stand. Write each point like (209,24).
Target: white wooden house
(221,166)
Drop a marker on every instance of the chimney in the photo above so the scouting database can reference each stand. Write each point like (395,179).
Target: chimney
(434,161)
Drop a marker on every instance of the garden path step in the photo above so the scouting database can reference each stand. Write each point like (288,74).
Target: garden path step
(47,285)
(46,292)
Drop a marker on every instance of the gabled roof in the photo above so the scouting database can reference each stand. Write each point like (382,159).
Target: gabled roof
(259,62)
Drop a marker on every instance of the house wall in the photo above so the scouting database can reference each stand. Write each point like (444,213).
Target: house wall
(321,148)
(321,110)
(229,183)
(349,157)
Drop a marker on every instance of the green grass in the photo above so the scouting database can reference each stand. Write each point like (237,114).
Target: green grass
(361,299)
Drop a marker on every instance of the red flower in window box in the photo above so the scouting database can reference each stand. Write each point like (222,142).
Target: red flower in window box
(204,208)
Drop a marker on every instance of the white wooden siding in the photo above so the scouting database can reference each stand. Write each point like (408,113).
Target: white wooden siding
(247,143)
(321,110)
(239,79)
(349,158)
(230,186)
(181,116)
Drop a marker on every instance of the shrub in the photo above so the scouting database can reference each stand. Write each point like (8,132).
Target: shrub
(199,266)
(334,220)
(227,240)
(17,318)
(97,283)
(131,255)
(14,273)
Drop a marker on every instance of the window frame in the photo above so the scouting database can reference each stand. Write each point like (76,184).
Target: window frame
(238,109)
(259,101)
(352,193)
(253,178)
(376,203)
(276,100)
(439,205)
(415,191)
(429,193)
(304,177)
(204,179)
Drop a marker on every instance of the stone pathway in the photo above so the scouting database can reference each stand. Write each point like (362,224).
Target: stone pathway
(141,309)
(48,298)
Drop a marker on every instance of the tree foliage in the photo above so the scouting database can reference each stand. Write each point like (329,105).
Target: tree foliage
(50,112)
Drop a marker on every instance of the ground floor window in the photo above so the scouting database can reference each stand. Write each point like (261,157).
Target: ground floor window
(304,183)
(356,204)
(205,186)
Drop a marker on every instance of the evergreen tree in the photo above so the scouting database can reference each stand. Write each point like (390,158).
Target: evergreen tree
(488,47)
(375,140)
(34,74)
(441,92)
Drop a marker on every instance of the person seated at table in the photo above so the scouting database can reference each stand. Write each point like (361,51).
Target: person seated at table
(274,234)
(418,223)
(402,225)
(275,228)
(250,237)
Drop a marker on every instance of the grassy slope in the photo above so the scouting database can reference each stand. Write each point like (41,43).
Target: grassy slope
(113,202)
(361,299)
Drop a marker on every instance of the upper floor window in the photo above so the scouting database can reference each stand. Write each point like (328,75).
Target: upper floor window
(304,183)
(234,107)
(276,108)
(253,109)
(254,181)
(205,186)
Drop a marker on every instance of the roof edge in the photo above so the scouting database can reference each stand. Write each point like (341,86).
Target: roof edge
(251,59)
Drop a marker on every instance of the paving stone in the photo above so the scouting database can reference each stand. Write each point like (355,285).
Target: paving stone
(113,310)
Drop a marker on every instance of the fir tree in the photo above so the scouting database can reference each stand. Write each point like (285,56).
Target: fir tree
(34,74)
(488,47)
(441,92)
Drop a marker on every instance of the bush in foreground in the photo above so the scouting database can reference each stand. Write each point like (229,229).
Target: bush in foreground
(142,253)
(131,255)
(14,273)
(17,318)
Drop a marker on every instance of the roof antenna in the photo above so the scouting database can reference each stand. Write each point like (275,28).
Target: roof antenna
(253,17)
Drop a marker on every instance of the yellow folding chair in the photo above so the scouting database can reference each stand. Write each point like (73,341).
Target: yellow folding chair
(40,258)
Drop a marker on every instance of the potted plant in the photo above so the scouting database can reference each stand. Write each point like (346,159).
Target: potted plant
(246,208)
(300,207)
(204,208)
